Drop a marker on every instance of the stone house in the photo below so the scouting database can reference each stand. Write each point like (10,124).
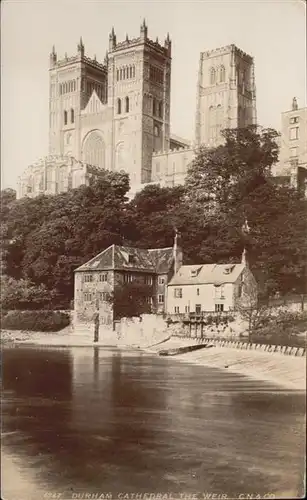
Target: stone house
(210,288)
(100,276)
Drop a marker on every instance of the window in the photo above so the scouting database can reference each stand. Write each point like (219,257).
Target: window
(103,296)
(103,277)
(197,308)
(117,74)
(121,73)
(294,119)
(161,299)
(87,297)
(133,71)
(149,300)
(65,117)
(187,309)
(222,74)
(88,278)
(219,292)
(178,293)
(161,280)
(154,107)
(148,280)
(161,109)
(240,290)
(127,104)
(119,106)
(156,131)
(293,152)
(177,310)
(212,76)
(219,307)
(72,115)
(128,278)
(293,133)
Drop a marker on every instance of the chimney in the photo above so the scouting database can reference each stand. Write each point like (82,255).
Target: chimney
(177,253)
(244,259)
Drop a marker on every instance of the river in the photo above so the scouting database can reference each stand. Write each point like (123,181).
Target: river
(108,423)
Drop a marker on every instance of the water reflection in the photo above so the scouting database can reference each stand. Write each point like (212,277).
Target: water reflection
(97,420)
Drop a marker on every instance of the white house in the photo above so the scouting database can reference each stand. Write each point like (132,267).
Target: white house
(209,287)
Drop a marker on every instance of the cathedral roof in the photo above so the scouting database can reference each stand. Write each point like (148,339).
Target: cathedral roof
(94,105)
(125,258)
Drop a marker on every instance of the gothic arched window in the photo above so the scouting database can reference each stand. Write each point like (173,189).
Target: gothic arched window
(127,104)
(133,71)
(72,116)
(212,76)
(222,74)
(130,72)
(117,74)
(65,117)
(121,73)
(119,106)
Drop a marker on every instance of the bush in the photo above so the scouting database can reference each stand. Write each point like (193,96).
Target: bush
(36,321)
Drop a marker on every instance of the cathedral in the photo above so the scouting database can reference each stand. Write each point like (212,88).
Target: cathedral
(116,114)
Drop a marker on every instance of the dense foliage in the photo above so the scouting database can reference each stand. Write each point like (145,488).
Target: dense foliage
(35,321)
(130,299)
(45,238)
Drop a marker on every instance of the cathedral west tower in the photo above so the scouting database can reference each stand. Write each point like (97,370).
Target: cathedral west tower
(139,94)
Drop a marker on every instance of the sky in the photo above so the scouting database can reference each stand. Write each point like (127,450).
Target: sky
(273,32)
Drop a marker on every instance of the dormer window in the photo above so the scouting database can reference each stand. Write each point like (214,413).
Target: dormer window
(131,258)
(228,269)
(194,272)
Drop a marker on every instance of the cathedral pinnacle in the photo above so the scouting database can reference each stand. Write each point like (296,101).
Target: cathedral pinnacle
(53,56)
(112,39)
(144,30)
(81,47)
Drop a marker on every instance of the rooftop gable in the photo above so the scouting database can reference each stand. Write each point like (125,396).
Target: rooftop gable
(103,260)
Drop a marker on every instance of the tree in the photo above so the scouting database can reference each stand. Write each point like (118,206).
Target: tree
(221,176)
(22,294)
(130,299)
(251,308)
(47,237)
(233,182)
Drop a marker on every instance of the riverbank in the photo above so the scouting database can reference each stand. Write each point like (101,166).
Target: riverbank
(288,372)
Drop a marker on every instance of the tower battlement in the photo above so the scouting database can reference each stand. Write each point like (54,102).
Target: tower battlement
(128,43)
(56,63)
(225,50)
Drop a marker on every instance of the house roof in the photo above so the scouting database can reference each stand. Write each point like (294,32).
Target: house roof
(216,274)
(116,257)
